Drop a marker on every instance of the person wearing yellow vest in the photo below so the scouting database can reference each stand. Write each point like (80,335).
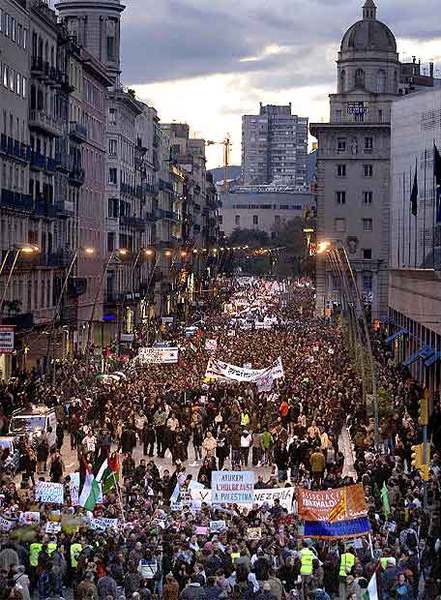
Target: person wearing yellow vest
(307,557)
(244,419)
(75,551)
(34,552)
(347,562)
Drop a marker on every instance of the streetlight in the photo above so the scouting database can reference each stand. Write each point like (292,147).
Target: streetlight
(336,252)
(120,252)
(88,251)
(25,249)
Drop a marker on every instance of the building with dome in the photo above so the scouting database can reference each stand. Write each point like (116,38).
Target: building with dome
(354,161)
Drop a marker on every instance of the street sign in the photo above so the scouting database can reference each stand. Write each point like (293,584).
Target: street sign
(6,339)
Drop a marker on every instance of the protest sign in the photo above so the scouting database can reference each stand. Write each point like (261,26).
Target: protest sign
(53,527)
(158,355)
(211,345)
(200,495)
(201,530)
(217,526)
(232,487)
(29,518)
(103,523)
(5,524)
(254,533)
(284,495)
(50,493)
(147,568)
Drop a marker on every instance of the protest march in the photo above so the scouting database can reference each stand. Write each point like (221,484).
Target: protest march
(230,457)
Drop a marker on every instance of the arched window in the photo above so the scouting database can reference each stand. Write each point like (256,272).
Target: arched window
(381,82)
(360,78)
(343,81)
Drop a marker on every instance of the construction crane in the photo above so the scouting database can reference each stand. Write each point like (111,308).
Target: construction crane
(227,146)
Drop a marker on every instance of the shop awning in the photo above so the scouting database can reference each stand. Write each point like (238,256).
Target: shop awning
(396,335)
(425,352)
(436,356)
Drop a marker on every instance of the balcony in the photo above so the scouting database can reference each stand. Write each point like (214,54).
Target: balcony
(14,149)
(77,175)
(63,161)
(38,161)
(133,222)
(127,189)
(44,210)
(78,132)
(51,165)
(165,185)
(64,209)
(40,121)
(16,201)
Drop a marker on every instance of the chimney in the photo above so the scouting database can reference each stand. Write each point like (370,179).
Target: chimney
(431,69)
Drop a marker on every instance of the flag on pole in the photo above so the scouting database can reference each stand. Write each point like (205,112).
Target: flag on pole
(414,194)
(108,473)
(372,590)
(437,176)
(89,492)
(385,500)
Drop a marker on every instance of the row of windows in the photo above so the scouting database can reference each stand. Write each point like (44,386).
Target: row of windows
(367,197)
(342,144)
(368,170)
(13,80)
(15,31)
(340,224)
(269,206)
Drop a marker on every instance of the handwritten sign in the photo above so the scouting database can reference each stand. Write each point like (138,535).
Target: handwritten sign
(53,527)
(232,487)
(254,533)
(217,526)
(201,530)
(5,524)
(29,518)
(103,523)
(49,493)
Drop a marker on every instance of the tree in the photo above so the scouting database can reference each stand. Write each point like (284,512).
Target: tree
(249,237)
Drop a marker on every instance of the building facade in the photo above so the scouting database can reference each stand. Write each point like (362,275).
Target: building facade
(274,147)
(261,211)
(353,161)
(415,283)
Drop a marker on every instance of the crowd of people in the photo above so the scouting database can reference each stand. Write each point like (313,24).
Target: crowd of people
(172,427)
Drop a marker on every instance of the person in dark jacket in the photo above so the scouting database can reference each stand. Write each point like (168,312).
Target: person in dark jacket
(148,437)
(128,440)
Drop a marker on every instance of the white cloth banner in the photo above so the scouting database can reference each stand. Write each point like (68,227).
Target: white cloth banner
(165,356)
(50,493)
(262,496)
(217,369)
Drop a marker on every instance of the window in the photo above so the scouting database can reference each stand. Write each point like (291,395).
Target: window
(340,197)
(23,86)
(341,170)
(367,224)
(367,197)
(7,24)
(340,225)
(360,78)
(277,220)
(220,219)
(112,116)
(367,253)
(237,220)
(341,144)
(381,82)
(255,220)
(367,281)
(113,176)
(113,144)
(110,241)
(25,39)
(368,144)
(12,80)
(368,170)
(6,76)
(1,19)
(18,83)
(13,29)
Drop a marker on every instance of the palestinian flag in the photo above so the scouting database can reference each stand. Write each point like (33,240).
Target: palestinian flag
(108,473)
(89,487)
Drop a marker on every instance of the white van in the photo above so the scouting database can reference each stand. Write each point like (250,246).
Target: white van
(35,422)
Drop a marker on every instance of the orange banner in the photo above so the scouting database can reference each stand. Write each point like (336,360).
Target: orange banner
(341,504)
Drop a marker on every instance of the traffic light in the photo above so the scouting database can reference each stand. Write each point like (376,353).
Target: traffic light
(423,413)
(417,456)
(424,471)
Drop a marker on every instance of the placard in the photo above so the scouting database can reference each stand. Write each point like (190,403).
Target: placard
(5,524)
(6,339)
(232,487)
(158,355)
(217,526)
(29,518)
(49,493)
(254,533)
(103,523)
(53,527)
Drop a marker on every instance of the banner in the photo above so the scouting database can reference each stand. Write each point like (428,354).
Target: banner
(335,513)
(50,493)
(217,369)
(166,356)
(284,495)
(232,487)
(103,523)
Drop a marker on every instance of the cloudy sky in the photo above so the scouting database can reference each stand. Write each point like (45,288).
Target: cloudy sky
(207,62)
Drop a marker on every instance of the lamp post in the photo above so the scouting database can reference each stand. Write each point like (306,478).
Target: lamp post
(337,252)
(120,252)
(51,340)
(25,249)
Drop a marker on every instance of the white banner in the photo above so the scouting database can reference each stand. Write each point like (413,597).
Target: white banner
(262,496)
(103,523)
(50,493)
(217,369)
(232,487)
(165,356)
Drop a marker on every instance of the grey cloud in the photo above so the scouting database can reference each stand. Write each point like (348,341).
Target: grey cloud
(174,39)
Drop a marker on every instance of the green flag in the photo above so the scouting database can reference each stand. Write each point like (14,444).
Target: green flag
(385,499)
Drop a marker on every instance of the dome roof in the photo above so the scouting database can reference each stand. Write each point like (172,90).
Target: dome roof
(369,34)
